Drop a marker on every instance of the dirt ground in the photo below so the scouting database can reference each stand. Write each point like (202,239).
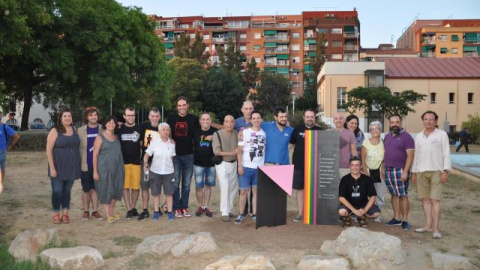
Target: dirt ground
(25,204)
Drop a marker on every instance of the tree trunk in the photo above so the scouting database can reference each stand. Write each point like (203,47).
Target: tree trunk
(27,103)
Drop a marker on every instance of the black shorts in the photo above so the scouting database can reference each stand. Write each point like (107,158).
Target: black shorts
(374,209)
(159,180)
(298,179)
(87,180)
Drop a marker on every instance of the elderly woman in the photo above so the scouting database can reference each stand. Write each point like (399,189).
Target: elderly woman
(108,170)
(63,164)
(372,157)
(352,123)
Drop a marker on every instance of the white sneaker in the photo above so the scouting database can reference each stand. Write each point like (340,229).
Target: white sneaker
(378,219)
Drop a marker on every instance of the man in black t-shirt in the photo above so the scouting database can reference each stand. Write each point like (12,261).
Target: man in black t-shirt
(357,195)
(149,134)
(204,169)
(298,159)
(130,138)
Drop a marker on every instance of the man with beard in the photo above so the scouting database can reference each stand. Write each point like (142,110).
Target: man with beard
(277,131)
(348,145)
(398,158)
(298,159)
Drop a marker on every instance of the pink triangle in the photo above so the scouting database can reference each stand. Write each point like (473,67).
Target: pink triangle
(282,175)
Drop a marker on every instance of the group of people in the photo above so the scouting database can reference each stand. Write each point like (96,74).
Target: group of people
(392,162)
(115,161)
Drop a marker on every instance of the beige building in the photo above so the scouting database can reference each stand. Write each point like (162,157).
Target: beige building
(451,86)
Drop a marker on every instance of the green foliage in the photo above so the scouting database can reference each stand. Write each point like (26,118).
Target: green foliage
(197,50)
(182,46)
(231,58)
(251,73)
(126,240)
(274,91)
(32,141)
(473,125)
(7,262)
(381,98)
(223,93)
(309,98)
(188,80)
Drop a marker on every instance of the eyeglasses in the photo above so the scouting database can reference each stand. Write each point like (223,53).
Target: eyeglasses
(374,129)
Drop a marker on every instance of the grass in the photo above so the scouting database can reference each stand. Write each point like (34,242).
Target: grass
(7,262)
(139,262)
(442,249)
(112,254)
(126,240)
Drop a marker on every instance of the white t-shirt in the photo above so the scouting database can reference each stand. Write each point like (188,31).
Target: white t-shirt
(162,153)
(253,148)
(432,153)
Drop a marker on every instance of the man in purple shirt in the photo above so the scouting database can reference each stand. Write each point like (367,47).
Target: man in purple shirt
(399,153)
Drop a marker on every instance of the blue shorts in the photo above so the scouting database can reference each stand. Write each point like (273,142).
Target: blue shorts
(3,158)
(248,179)
(204,176)
(393,180)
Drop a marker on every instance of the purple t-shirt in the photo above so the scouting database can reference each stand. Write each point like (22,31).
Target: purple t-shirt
(91,135)
(396,149)
(347,138)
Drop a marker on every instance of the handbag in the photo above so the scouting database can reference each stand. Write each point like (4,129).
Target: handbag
(375,174)
(217,159)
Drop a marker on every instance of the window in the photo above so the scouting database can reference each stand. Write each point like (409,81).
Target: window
(336,44)
(454,50)
(322,30)
(295,35)
(396,94)
(470,98)
(337,30)
(451,98)
(238,24)
(243,36)
(443,37)
(192,35)
(295,47)
(296,59)
(243,48)
(341,98)
(295,84)
(257,48)
(258,60)
(257,35)
(205,37)
(443,50)
(433,98)
(454,37)
(452,128)
(375,80)
(337,56)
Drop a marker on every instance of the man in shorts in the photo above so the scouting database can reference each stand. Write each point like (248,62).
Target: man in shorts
(87,135)
(430,168)
(8,139)
(298,158)
(150,133)
(204,169)
(130,137)
(357,195)
(398,158)
(161,170)
(252,156)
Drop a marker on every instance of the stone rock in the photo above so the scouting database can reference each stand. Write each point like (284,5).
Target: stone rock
(256,262)
(367,249)
(73,258)
(27,243)
(158,244)
(226,263)
(317,262)
(201,242)
(447,261)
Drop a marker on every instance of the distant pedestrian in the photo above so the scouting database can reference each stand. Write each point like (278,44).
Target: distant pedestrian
(8,139)
(463,137)
(63,157)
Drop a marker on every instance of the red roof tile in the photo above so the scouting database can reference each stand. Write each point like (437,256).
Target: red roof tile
(468,67)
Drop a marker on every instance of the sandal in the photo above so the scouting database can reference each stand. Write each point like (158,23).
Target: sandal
(346,221)
(56,218)
(362,222)
(65,219)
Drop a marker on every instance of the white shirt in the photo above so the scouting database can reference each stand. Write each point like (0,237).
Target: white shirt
(253,148)
(162,153)
(432,153)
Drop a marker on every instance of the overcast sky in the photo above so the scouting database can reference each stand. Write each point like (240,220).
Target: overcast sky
(380,21)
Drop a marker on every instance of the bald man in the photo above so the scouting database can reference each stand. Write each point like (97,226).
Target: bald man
(225,145)
(348,144)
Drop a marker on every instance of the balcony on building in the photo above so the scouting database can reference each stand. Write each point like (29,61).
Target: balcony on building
(222,37)
(471,51)
(238,24)
(213,26)
(274,47)
(472,38)
(263,23)
(307,70)
(428,51)
(166,24)
(350,31)
(274,35)
(350,57)
(350,47)
(428,39)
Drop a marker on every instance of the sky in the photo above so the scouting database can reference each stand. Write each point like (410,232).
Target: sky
(380,21)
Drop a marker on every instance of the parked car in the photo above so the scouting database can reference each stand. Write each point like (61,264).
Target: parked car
(37,126)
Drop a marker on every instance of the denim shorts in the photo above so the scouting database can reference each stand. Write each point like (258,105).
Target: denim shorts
(204,176)
(248,179)
(3,158)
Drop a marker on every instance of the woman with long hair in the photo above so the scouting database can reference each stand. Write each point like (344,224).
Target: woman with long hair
(63,164)
(108,169)
(352,123)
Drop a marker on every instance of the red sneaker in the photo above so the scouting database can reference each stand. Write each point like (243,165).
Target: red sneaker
(199,211)
(208,213)
(178,213)
(186,213)
(97,215)
(86,215)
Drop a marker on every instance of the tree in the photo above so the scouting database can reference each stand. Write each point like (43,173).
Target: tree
(188,80)
(182,46)
(197,50)
(381,98)
(231,58)
(250,76)
(223,93)
(274,91)
(473,125)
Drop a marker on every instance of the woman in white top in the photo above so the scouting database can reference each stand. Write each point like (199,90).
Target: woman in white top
(372,159)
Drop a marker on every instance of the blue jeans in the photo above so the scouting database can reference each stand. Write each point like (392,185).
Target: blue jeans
(183,165)
(61,191)
(204,176)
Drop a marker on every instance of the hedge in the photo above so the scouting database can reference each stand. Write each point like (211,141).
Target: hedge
(32,141)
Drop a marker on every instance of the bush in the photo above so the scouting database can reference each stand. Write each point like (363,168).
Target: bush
(473,125)
(32,141)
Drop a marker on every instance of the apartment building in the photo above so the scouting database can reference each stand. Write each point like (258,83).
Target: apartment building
(442,38)
(279,43)
(451,86)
